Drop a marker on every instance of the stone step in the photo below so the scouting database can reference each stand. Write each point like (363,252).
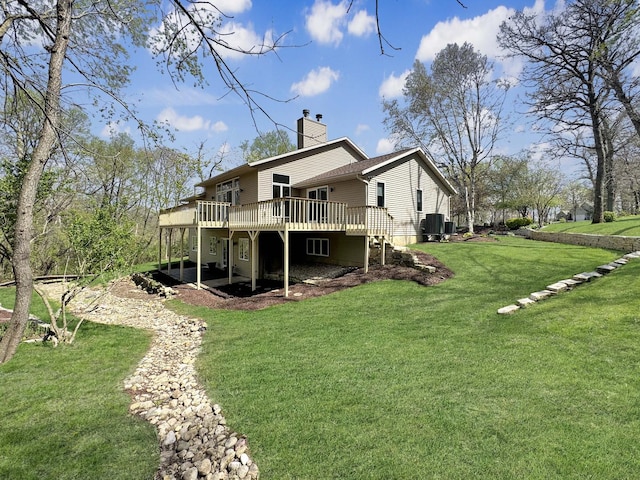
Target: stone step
(541,295)
(572,282)
(558,287)
(509,309)
(608,268)
(587,276)
(525,302)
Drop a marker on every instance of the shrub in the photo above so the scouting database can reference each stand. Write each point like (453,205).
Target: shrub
(609,216)
(516,223)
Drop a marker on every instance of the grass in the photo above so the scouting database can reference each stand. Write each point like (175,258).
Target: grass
(64,413)
(395,380)
(628,225)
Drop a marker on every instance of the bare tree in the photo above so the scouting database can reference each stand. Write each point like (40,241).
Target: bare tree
(89,41)
(455,112)
(577,60)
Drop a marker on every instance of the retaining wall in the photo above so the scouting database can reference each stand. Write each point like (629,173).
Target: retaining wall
(610,242)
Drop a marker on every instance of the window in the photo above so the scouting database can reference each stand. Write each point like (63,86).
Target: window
(281,189)
(318,211)
(213,245)
(318,247)
(194,240)
(380,194)
(419,200)
(229,192)
(243,249)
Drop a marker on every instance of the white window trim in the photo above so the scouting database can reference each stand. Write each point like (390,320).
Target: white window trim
(213,245)
(194,240)
(243,249)
(313,243)
(234,189)
(384,198)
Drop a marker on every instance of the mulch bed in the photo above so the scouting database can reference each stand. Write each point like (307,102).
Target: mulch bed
(300,291)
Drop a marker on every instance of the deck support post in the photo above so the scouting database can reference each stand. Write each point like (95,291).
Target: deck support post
(169,245)
(383,255)
(253,235)
(366,254)
(182,230)
(230,257)
(199,258)
(284,235)
(160,250)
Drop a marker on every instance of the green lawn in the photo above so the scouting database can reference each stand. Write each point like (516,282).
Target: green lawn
(64,413)
(395,380)
(629,226)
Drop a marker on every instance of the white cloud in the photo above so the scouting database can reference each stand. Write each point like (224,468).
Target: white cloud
(228,7)
(214,22)
(183,123)
(325,21)
(385,145)
(361,128)
(316,82)
(480,31)
(241,39)
(111,129)
(362,24)
(219,126)
(392,86)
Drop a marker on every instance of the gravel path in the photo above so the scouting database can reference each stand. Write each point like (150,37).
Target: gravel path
(195,442)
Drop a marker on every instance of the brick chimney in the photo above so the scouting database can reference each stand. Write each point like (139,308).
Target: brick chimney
(311,132)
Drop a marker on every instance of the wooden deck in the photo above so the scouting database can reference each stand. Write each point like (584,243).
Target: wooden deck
(291,213)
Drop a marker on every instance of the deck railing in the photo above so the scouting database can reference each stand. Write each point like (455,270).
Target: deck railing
(177,216)
(214,214)
(298,213)
(367,220)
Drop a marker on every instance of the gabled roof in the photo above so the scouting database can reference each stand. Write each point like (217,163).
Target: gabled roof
(368,167)
(307,151)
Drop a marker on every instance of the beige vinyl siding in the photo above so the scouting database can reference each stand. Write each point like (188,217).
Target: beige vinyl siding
(343,249)
(301,168)
(249,188)
(241,267)
(352,192)
(402,180)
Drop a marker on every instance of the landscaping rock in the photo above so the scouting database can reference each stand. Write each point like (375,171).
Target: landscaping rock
(604,269)
(525,302)
(586,276)
(541,295)
(557,287)
(193,436)
(509,309)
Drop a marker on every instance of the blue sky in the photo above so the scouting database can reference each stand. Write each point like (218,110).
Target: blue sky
(331,64)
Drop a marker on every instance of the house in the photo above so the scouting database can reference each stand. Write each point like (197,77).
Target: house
(580,212)
(326,202)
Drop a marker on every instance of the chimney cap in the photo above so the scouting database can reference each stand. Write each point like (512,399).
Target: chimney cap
(318,117)
(305,113)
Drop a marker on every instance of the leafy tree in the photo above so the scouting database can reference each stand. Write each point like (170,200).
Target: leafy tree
(507,177)
(270,144)
(455,112)
(44,42)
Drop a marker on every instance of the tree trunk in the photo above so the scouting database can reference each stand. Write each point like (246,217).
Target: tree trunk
(24,215)
(600,168)
(610,181)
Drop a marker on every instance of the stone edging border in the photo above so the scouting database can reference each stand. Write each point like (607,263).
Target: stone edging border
(568,284)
